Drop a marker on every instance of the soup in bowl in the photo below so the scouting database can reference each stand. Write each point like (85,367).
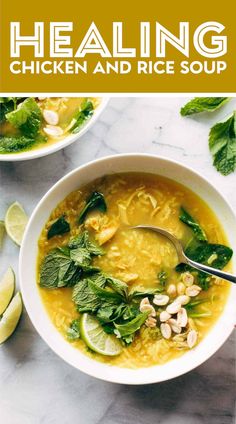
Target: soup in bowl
(116,302)
(31,127)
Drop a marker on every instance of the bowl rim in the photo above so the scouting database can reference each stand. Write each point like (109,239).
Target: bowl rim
(128,373)
(54,147)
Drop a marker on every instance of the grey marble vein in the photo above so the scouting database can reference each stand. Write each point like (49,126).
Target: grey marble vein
(36,387)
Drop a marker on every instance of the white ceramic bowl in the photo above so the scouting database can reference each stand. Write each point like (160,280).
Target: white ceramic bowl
(52,148)
(28,256)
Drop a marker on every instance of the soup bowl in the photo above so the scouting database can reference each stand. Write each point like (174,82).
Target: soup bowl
(61,144)
(28,262)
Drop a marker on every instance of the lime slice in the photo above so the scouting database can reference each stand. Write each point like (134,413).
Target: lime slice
(96,338)
(7,287)
(2,231)
(15,222)
(10,318)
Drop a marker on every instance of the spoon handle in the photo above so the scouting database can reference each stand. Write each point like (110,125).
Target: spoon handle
(209,270)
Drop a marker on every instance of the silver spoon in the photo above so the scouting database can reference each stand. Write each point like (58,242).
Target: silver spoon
(183,258)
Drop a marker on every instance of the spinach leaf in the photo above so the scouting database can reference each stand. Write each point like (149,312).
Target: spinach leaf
(194,225)
(95,201)
(59,227)
(203,104)
(73,332)
(222,144)
(201,253)
(27,117)
(129,328)
(11,144)
(204,280)
(85,112)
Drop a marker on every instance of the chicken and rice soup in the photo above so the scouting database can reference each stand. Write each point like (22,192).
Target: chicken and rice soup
(118,294)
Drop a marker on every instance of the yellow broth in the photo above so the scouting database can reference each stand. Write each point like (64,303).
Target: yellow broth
(65,107)
(136,256)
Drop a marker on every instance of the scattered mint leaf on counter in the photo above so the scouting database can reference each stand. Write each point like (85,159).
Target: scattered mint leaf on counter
(85,112)
(59,227)
(73,332)
(203,104)
(27,117)
(187,219)
(222,144)
(95,201)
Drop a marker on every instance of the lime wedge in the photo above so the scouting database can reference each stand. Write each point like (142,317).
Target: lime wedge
(96,339)
(2,232)
(10,318)
(7,287)
(15,222)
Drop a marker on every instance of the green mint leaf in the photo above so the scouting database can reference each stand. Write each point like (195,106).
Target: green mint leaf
(222,144)
(129,328)
(146,293)
(53,269)
(81,256)
(118,286)
(83,240)
(85,297)
(203,104)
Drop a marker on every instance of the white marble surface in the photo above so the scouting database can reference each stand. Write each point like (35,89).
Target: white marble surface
(36,387)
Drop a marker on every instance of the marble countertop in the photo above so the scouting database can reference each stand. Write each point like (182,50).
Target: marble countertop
(36,387)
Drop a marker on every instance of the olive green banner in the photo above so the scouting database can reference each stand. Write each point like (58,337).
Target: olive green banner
(117,47)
